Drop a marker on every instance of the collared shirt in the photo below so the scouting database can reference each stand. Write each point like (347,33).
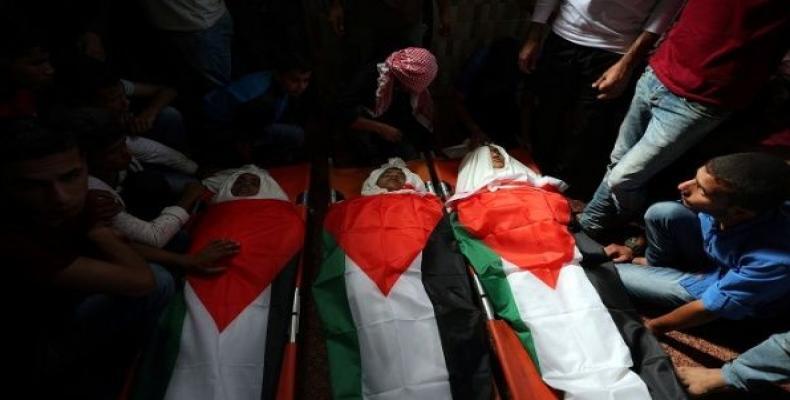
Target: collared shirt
(751,267)
(610,25)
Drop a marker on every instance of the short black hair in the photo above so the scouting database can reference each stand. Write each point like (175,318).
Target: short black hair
(292,61)
(754,181)
(27,139)
(95,129)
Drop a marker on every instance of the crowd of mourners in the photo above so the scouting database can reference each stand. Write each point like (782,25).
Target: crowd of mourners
(117,119)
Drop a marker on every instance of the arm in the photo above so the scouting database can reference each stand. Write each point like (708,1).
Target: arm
(152,152)
(530,51)
(124,273)
(161,229)
(160,97)
(388,132)
(614,81)
(156,232)
(686,316)
(202,262)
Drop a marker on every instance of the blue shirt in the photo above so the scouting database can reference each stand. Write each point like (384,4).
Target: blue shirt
(750,276)
(221,104)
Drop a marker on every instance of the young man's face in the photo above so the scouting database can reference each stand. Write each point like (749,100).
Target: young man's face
(50,189)
(113,98)
(33,69)
(294,82)
(114,158)
(246,185)
(704,193)
(497,161)
(391,179)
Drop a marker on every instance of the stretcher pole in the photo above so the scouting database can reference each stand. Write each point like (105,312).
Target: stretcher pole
(521,376)
(286,387)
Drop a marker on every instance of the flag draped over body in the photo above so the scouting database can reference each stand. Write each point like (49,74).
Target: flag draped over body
(222,338)
(515,235)
(397,305)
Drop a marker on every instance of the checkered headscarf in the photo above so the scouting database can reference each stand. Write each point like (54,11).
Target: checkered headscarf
(415,68)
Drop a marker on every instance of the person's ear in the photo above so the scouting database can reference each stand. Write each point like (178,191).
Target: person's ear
(740,214)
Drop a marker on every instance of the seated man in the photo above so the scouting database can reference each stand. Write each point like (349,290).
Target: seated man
(723,251)
(142,108)
(512,225)
(395,299)
(388,106)
(140,203)
(82,300)
(265,110)
(768,362)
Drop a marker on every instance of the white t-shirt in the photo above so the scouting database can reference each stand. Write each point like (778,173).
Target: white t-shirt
(184,15)
(156,232)
(610,25)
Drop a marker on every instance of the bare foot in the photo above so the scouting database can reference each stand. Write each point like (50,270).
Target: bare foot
(639,261)
(701,381)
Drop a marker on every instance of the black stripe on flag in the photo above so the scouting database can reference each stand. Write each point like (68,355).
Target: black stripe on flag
(282,294)
(461,323)
(650,361)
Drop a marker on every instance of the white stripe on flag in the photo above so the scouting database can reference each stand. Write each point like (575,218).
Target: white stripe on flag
(227,366)
(580,350)
(400,347)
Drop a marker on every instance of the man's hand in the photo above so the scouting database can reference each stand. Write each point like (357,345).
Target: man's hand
(141,123)
(205,261)
(337,18)
(102,205)
(530,51)
(101,233)
(614,81)
(654,327)
(192,193)
(619,253)
(390,133)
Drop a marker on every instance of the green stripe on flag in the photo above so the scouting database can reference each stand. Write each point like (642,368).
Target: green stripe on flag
(159,358)
(488,266)
(329,291)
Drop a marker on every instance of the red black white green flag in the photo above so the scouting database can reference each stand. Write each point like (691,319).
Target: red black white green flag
(397,305)
(223,336)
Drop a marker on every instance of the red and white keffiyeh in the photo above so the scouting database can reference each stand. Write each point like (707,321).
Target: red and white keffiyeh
(415,68)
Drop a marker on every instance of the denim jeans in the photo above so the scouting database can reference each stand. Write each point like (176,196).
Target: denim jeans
(169,129)
(769,361)
(108,330)
(674,241)
(206,52)
(658,128)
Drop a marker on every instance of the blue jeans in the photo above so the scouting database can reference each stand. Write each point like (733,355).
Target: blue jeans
(207,52)
(769,361)
(658,128)
(169,129)
(108,330)
(674,241)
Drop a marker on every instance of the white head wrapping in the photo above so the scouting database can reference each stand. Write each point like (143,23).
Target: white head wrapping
(413,181)
(477,171)
(268,189)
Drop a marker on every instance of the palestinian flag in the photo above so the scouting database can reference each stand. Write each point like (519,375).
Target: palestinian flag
(223,336)
(518,242)
(397,305)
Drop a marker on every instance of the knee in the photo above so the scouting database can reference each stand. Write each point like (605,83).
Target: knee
(170,115)
(667,213)
(164,286)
